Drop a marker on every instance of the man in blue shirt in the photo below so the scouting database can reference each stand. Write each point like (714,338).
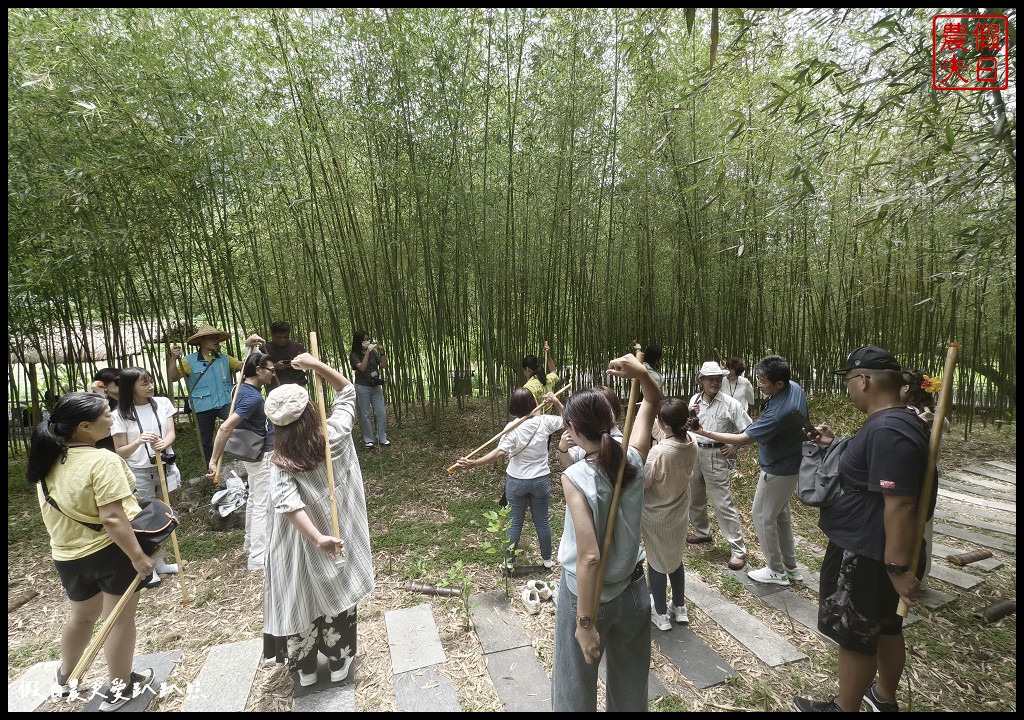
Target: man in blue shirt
(779,440)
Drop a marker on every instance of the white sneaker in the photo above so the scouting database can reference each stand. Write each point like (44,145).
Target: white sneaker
(342,672)
(767,575)
(678,613)
(153,582)
(542,588)
(795,574)
(307,680)
(163,568)
(531,601)
(660,621)
(547,564)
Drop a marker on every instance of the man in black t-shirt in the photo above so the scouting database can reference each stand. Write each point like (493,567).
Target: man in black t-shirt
(282,350)
(871,535)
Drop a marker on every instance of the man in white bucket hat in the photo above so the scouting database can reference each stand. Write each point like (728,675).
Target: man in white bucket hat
(717,412)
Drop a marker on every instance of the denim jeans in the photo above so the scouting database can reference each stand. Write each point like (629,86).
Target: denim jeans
(367,397)
(537,493)
(624,625)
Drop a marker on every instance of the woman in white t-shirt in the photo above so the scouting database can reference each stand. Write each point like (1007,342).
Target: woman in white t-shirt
(143,428)
(528,476)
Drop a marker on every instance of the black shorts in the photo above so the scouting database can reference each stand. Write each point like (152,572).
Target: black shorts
(108,570)
(857,601)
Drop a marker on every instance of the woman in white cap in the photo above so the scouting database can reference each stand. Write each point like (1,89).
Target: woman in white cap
(309,601)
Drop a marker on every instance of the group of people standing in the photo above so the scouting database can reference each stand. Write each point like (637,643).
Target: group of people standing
(677,460)
(99,453)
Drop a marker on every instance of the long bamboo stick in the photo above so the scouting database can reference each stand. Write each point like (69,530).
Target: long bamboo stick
(101,637)
(174,535)
(941,408)
(533,413)
(627,430)
(314,350)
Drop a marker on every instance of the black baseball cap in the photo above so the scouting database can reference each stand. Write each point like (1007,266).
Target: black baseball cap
(869,357)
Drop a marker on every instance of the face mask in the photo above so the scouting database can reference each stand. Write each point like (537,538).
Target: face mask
(366,344)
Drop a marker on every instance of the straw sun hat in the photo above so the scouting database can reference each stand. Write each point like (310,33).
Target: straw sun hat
(205,330)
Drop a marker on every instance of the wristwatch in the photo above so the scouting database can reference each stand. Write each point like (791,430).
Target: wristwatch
(894,569)
(584,622)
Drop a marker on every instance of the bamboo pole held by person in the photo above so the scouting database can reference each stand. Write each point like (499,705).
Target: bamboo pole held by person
(924,497)
(627,430)
(174,535)
(314,350)
(101,637)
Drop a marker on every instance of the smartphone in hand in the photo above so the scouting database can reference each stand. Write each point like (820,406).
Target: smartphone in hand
(805,424)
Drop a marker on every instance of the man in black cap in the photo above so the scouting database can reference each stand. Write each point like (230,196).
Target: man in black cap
(871,534)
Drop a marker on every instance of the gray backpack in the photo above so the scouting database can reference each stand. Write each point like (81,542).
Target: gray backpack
(819,484)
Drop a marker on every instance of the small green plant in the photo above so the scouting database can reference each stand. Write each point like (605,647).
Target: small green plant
(459,577)
(498,523)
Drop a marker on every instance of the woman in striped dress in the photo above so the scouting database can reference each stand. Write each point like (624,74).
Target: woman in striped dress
(667,475)
(309,601)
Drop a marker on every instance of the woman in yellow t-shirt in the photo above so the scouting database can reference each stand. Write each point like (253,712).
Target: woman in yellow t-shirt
(536,381)
(85,496)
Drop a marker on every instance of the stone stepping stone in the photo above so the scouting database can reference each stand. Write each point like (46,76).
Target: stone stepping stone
(993,473)
(979,481)
(976,538)
(695,661)
(942,551)
(224,681)
(423,690)
(31,689)
(1012,467)
(979,517)
(324,694)
(413,639)
(519,679)
(983,502)
(771,648)
(958,578)
(931,598)
(416,653)
(982,491)
(163,665)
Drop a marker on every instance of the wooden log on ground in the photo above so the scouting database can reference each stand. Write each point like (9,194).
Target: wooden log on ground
(998,610)
(17,602)
(432,589)
(969,557)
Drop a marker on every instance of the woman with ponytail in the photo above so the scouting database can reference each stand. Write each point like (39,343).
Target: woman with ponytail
(667,475)
(620,623)
(87,502)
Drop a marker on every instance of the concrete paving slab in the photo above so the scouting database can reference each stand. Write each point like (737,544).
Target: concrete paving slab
(958,578)
(224,681)
(520,680)
(980,490)
(31,689)
(413,639)
(1012,467)
(425,690)
(932,598)
(497,625)
(979,481)
(994,473)
(942,551)
(323,681)
(974,500)
(767,645)
(697,662)
(162,664)
(979,517)
(976,538)
(339,698)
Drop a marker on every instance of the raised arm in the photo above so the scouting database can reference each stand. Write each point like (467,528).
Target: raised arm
(335,378)
(549,363)
(628,366)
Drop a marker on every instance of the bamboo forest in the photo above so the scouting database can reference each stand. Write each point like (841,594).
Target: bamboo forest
(467,184)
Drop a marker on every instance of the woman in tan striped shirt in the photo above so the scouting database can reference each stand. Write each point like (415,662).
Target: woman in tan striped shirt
(667,474)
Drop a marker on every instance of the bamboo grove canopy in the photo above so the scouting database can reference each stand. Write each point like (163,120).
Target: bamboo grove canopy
(468,183)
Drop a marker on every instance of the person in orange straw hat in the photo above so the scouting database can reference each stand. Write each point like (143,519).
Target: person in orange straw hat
(210,377)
